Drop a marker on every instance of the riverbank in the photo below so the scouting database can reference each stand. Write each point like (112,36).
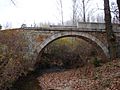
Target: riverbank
(88,77)
(106,77)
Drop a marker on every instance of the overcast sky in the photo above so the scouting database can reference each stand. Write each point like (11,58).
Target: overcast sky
(30,11)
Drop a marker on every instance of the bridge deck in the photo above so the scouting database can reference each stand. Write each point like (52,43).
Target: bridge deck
(83,27)
(77,29)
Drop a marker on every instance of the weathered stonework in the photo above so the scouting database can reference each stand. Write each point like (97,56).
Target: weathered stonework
(38,38)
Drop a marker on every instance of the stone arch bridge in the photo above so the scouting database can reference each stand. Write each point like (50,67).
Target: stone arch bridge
(39,37)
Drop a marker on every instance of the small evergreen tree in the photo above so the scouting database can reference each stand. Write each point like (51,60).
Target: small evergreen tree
(0,26)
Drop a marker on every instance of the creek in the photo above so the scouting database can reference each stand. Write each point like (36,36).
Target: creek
(30,82)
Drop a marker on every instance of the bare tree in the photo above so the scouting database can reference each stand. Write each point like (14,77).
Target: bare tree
(115,12)
(74,11)
(83,2)
(23,25)
(118,3)
(83,10)
(111,39)
(86,13)
(8,25)
(60,8)
(100,18)
(13,2)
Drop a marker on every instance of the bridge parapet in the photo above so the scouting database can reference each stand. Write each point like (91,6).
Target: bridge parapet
(81,26)
(97,26)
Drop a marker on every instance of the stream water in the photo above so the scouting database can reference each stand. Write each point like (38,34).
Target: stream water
(31,82)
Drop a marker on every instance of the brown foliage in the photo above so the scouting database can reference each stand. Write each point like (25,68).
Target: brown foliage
(12,45)
(106,77)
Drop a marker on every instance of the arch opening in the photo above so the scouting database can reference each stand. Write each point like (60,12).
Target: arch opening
(84,36)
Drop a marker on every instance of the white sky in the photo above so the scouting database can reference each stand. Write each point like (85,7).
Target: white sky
(30,11)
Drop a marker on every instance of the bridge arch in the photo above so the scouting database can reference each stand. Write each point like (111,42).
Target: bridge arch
(83,35)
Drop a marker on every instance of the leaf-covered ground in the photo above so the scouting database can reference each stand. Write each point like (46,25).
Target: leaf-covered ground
(105,77)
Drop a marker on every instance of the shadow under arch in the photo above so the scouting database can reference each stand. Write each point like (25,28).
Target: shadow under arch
(85,36)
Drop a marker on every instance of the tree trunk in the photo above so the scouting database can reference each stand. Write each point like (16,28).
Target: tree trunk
(61,5)
(118,3)
(74,12)
(84,16)
(111,39)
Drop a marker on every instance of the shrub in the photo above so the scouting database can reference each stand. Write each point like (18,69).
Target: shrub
(96,62)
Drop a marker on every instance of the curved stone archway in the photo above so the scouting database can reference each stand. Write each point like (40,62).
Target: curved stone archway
(50,39)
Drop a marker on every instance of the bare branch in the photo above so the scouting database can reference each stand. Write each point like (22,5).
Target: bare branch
(60,9)
(88,1)
(13,2)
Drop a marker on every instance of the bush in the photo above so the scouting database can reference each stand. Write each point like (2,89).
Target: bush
(0,26)
(96,62)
